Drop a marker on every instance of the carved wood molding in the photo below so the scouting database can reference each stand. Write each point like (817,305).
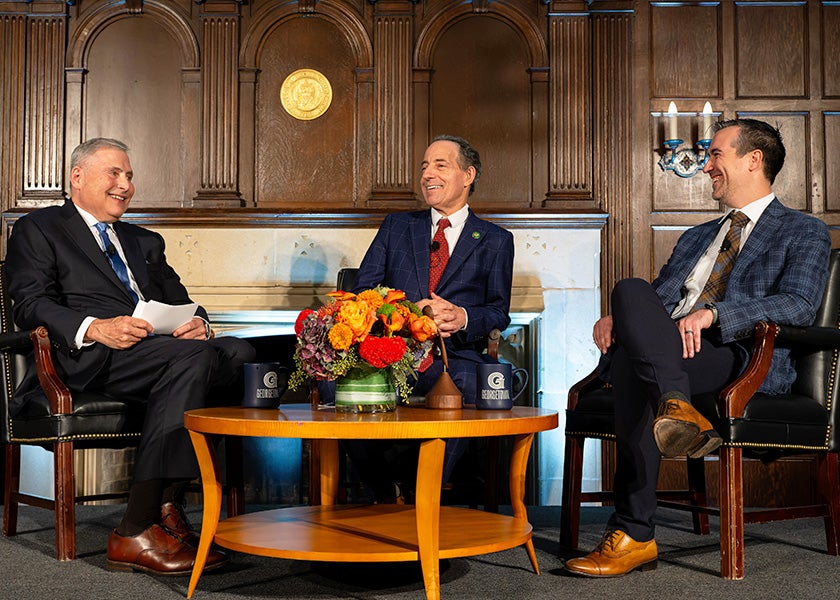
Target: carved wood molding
(365,218)
(44,102)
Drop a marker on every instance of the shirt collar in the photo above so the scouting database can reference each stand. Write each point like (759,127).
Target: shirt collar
(90,220)
(456,219)
(754,209)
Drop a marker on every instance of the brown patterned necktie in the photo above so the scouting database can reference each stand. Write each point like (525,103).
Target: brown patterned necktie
(439,255)
(716,285)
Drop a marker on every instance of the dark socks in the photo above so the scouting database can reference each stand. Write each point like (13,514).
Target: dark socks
(143,510)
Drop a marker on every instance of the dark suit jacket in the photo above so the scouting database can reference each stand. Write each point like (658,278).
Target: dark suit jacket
(58,275)
(478,276)
(779,276)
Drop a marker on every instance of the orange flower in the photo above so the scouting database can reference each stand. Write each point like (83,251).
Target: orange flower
(393,322)
(372,297)
(394,296)
(422,328)
(358,316)
(341,336)
(340,295)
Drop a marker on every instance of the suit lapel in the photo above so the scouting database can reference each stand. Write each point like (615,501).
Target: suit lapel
(421,239)
(133,254)
(762,236)
(79,234)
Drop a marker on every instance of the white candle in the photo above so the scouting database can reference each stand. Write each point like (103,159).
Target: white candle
(672,121)
(706,131)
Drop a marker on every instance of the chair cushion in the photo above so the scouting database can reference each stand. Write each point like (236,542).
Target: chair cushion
(789,421)
(95,417)
(594,415)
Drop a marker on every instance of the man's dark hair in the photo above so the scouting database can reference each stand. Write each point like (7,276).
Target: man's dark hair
(758,135)
(467,156)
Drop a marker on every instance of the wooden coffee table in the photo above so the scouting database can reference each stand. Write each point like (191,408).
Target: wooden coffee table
(368,533)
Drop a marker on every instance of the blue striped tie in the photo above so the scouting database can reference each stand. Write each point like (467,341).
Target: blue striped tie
(116,261)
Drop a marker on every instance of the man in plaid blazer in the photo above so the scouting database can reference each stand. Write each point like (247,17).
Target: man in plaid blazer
(472,296)
(667,340)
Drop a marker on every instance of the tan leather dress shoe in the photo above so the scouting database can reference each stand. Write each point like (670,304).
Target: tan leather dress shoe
(680,430)
(617,554)
(157,551)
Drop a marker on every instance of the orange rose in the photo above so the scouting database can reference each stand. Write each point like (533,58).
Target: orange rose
(358,316)
(422,328)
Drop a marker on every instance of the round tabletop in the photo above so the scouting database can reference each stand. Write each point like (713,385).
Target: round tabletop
(302,421)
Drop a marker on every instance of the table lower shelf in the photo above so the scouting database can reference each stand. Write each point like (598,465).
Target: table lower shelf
(369,533)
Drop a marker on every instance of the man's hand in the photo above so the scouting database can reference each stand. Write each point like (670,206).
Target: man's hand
(192,330)
(118,333)
(691,327)
(448,317)
(602,333)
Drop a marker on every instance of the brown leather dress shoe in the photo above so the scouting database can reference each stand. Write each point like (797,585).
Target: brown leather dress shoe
(617,554)
(174,520)
(157,551)
(680,430)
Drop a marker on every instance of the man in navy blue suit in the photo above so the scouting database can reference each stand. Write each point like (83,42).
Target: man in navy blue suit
(79,270)
(689,332)
(471,296)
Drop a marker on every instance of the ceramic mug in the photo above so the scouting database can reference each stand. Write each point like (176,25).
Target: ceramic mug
(264,384)
(494,385)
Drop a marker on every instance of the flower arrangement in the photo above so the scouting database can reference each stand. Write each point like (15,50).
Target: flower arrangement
(373,330)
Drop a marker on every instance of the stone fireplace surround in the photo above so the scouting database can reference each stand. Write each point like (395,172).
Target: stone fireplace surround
(256,279)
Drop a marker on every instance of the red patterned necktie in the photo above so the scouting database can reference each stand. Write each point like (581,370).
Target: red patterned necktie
(439,258)
(439,255)
(716,285)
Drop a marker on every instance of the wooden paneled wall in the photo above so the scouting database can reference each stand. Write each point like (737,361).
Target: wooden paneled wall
(193,86)
(561,98)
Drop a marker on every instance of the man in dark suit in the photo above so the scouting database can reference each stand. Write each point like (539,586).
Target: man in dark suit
(470,296)
(79,270)
(689,332)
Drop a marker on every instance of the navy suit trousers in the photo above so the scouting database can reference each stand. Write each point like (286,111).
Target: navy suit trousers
(645,363)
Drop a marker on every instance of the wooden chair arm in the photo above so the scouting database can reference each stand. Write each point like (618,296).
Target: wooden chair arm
(61,400)
(589,383)
(734,397)
(493,339)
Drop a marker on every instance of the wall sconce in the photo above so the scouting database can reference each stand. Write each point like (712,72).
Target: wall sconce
(685,162)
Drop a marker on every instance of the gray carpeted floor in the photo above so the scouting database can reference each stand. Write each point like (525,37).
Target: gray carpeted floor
(784,560)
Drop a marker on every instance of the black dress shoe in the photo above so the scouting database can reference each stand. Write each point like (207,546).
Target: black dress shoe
(157,551)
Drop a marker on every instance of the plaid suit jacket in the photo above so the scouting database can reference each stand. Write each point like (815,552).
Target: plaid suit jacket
(779,276)
(478,276)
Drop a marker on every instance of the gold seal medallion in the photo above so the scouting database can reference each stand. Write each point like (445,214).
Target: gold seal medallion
(306,94)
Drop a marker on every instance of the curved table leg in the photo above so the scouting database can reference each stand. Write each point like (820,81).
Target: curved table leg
(518,466)
(427,513)
(212,490)
(329,470)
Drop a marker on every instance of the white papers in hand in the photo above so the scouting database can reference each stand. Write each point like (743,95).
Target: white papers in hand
(165,318)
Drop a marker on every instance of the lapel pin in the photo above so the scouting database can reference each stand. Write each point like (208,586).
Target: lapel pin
(476,235)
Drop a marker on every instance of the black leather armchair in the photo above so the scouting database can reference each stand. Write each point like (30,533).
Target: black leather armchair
(63,421)
(751,423)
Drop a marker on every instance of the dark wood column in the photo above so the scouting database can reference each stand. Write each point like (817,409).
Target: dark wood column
(43,130)
(220,106)
(393,22)
(570,102)
(12,60)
